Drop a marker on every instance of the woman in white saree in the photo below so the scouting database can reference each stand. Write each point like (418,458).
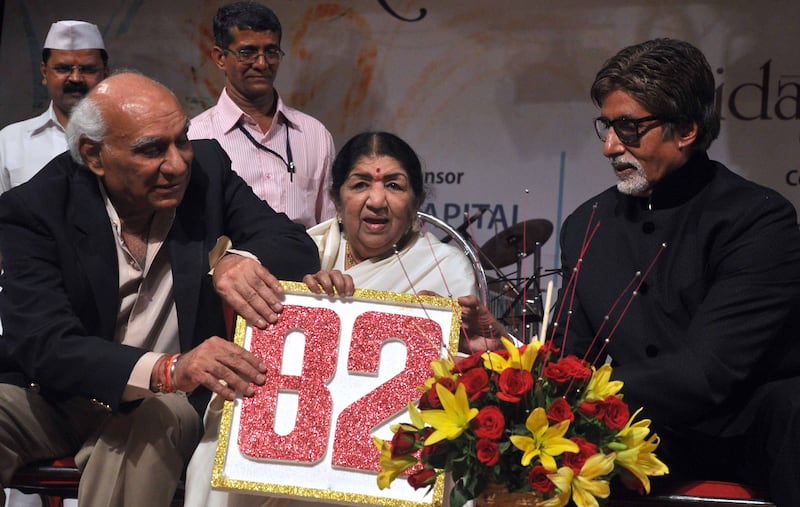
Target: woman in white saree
(375,242)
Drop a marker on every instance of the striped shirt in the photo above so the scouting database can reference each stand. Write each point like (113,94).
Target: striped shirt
(302,195)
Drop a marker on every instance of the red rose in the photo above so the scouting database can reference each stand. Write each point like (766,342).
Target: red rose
(475,381)
(489,423)
(469,362)
(424,402)
(434,455)
(614,413)
(403,443)
(422,478)
(488,452)
(539,481)
(575,460)
(431,398)
(447,382)
(567,369)
(589,408)
(560,411)
(547,349)
(513,384)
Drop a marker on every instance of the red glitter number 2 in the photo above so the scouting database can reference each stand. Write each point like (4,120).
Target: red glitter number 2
(352,445)
(308,440)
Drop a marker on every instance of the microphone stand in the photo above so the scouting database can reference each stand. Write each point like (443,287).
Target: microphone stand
(523,304)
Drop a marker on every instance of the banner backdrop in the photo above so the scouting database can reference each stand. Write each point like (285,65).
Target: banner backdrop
(493,95)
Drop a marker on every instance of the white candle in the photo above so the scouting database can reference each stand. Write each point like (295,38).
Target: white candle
(546,316)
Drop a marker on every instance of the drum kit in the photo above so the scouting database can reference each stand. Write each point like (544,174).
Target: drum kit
(516,300)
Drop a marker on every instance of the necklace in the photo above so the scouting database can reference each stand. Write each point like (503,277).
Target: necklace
(349,260)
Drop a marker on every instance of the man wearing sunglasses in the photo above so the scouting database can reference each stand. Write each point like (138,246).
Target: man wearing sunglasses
(689,281)
(284,154)
(74,60)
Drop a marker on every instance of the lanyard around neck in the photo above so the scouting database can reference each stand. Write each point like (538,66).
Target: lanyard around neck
(289,162)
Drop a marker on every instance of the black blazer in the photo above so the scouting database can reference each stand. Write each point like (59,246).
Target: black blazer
(716,316)
(59,300)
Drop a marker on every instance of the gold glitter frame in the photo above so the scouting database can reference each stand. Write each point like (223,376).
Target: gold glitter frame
(222,478)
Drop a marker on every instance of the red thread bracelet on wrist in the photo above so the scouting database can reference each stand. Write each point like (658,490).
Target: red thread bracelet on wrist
(159,386)
(168,387)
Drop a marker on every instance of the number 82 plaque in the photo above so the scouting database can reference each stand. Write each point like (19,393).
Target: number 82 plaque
(340,370)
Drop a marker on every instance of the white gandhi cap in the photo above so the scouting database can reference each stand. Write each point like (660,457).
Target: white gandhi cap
(72,35)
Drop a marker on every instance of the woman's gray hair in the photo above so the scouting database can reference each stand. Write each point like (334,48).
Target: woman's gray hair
(86,120)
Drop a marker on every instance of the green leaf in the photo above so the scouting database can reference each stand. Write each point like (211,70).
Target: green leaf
(458,496)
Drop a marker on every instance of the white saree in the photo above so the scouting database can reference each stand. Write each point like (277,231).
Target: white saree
(425,263)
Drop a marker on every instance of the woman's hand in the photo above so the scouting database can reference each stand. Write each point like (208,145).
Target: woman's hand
(480,330)
(330,282)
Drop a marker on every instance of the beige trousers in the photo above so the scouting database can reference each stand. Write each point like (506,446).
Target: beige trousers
(127,459)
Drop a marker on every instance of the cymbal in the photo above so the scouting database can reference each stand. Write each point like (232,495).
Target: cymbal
(504,248)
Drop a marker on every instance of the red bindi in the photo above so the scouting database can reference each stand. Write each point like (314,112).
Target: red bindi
(378,174)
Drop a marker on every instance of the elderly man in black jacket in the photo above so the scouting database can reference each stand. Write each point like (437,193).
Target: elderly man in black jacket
(688,276)
(112,318)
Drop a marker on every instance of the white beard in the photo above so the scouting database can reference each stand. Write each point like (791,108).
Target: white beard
(635,184)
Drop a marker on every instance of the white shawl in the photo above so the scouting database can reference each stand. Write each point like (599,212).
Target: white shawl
(424,264)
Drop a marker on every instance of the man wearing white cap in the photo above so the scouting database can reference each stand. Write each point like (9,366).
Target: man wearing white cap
(74,60)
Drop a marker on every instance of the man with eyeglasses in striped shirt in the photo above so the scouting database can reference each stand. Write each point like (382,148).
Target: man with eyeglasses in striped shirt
(284,154)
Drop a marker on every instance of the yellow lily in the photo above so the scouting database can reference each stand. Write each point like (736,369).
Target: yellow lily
(601,386)
(497,363)
(585,487)
(454,417)
(442,368)
(562,478)
(638,457)
(545,441)
(416,420)
(390,468)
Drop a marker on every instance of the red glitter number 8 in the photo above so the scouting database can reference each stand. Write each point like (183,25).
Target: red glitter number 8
(308,440)
(352,445)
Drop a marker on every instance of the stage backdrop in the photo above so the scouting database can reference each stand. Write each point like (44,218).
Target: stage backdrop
(492,94)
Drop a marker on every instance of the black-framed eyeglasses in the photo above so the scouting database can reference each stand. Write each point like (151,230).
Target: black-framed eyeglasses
(629,130)
(249,56)
(65,69)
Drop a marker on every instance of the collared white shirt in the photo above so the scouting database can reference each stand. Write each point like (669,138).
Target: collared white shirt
(304,195)
(27,146)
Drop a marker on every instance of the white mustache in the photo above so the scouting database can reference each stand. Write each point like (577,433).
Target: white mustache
(619,163)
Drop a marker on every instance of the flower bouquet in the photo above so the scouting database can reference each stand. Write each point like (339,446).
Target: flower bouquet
(527,419)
